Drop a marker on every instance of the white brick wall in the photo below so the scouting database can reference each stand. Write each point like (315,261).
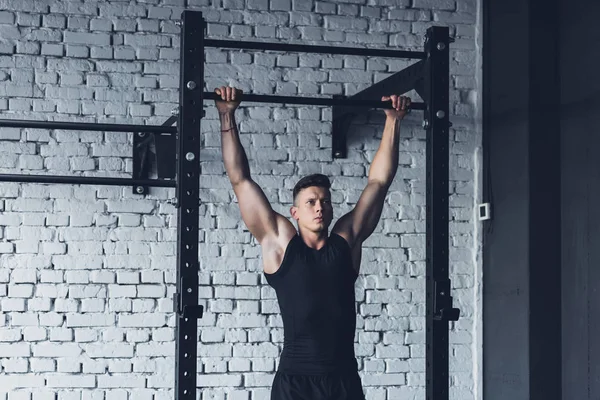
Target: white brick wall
(87,273)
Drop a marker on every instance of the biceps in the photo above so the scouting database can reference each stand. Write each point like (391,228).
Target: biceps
(257,213)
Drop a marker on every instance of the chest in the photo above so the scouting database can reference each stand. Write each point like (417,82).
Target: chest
(321,274)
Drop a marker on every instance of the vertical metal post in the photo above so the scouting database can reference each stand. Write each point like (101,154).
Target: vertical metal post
(341,122)
(188,171)
(437,283)
(141,144)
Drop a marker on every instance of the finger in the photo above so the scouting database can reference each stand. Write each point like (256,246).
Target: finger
(218,91)
(229,92)
(385,98)
(403,103)
(223,93)
(408,103)
(394,101)
(233,94)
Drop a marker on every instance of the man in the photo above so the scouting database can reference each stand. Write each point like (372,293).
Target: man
(313,274)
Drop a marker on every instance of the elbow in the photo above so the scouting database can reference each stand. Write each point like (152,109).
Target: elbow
(381,181)
(237,175)
(238,180)
(383,177)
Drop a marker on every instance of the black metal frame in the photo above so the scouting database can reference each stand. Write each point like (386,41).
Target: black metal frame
(138,181)
(439,308)
(164,156)
(188,186)
(429,77)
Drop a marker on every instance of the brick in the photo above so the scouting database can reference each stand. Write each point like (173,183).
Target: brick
(20,290)
(94,366)
(15,349)
(142,320)
(77,22)
(90,320)
(10,134)
(119,366)
(105,350)
(10,334)
(71,381)
(122,10)
(56,350)
(42,365)
(137,206)
(39,304)
(138,40)
(163,334)
(155,349)
(96,39)
(21,381)
(93,305)
(155,291)
(137,336)
(68,365)
(129,381)
(7,17)
(138,248)
(83,335)
(34,334)
(101,24)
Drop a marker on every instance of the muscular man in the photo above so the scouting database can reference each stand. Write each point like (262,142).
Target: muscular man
(313,273)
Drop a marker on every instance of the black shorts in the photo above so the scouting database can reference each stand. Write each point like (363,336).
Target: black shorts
(317,387)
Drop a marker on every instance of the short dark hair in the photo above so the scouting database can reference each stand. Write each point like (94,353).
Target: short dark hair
(319,180)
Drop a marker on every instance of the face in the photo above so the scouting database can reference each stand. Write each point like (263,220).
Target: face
(313,209)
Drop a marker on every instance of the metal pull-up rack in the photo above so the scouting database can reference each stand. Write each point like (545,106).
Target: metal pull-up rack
(180,146)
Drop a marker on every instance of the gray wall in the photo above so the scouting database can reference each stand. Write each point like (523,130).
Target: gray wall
(506,186)
(541,276)
(580,137)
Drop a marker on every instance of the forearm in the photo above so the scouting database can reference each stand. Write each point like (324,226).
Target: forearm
(385,163)
(234,156)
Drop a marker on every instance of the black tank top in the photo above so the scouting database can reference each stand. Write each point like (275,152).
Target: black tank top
(315,291)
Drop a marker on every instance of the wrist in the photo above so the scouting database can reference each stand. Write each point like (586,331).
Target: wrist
(227,121)
(226,117)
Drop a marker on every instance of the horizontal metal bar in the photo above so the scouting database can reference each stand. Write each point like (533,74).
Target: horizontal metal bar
(84,180)
(315,101)
(86,126)
(302,48)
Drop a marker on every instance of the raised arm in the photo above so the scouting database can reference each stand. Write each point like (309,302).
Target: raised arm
(258,215)
(359,224)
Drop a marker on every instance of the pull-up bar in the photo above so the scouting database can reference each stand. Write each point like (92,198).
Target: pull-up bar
(314,101)
(86,126)
(85,180)
(301,48)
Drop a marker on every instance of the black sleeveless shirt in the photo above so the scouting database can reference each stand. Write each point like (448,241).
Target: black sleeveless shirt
(315,291)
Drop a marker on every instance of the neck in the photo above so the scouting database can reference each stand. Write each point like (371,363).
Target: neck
(314,240)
